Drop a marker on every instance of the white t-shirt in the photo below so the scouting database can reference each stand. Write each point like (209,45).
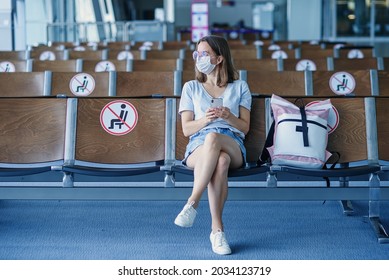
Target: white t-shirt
(195,98)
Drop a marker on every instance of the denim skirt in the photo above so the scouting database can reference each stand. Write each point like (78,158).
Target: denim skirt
(198,138)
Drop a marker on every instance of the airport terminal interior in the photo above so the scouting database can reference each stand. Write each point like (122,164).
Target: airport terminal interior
(89,127)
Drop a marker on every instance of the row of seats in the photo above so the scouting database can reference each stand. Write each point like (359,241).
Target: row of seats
(169,83)
(290,64)
(81,139)
(252,52)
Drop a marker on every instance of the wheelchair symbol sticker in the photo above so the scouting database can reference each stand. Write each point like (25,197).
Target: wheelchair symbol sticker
(305,64)
(119,117)
(82,84)
(6,66)
(105,66)
(342,83)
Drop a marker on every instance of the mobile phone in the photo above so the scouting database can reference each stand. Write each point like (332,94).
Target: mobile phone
(216,102)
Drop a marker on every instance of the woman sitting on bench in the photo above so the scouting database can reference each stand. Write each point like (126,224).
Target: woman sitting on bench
(215,113)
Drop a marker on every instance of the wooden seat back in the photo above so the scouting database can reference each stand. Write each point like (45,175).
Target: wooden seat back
(283,83)
(55,65)
(32,130)
(145,141)
(254,140)
(22,84)
(145,83)
(71,84)
(358,83)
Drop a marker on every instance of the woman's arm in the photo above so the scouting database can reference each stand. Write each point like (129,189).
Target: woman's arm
(191,126)
(242,123)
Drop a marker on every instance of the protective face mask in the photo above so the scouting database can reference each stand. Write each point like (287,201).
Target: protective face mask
(204,65)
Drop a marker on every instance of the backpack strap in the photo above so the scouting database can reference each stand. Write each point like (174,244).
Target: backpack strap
(265,156)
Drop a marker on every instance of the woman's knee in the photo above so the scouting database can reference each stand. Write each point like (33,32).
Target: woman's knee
(212,140)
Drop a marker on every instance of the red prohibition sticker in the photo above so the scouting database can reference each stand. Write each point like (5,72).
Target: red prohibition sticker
(342,83)
(82,84)
(333,117)
(118,117)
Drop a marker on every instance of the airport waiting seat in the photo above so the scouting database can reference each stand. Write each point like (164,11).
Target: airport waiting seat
(150,64)
(13,55)
(105,65)
(83,84)
(366,63)
(71,65)
(282,83)
(116,137)
(254,143)
(13,66)
(343,83)
(32,135)
(264,64)
(148,83)
(24,84)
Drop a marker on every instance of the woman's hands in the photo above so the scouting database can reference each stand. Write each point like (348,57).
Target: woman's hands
(220,112)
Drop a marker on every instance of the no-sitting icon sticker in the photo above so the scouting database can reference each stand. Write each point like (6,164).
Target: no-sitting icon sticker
(342,83)
(119,117)
(82,84)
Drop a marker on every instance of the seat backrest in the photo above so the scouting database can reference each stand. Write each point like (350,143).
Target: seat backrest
(150,64)
(385,61)
(265,64)
(382,105)
(354,52)
(105,65)
(283,83)
(23,84)
(124,54)
(88,54)
(301,64)
(318,53)
(254,141)
(342,83)
(55,65)
(140,139)
(383,83)
(32,130)
(48,54)
(365,63)
(145,83)
(349,137)
(251,53)
(91,84)
(13,66)
(275,54)
(164,54)
(13,55)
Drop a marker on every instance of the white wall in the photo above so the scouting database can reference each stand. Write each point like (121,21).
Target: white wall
(37,12)
(304,19)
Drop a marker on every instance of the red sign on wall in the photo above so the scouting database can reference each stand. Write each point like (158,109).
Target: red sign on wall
(199,13)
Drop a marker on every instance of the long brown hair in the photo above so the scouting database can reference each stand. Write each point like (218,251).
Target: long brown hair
(227,72)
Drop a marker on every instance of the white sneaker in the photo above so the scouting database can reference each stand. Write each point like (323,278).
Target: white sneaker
(219,243)
(186,216)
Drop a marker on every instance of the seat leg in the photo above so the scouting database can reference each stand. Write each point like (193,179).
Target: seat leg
(347,205)
(374,209)
(68,180)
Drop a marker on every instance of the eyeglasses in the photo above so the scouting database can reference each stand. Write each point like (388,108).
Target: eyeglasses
(197,54)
